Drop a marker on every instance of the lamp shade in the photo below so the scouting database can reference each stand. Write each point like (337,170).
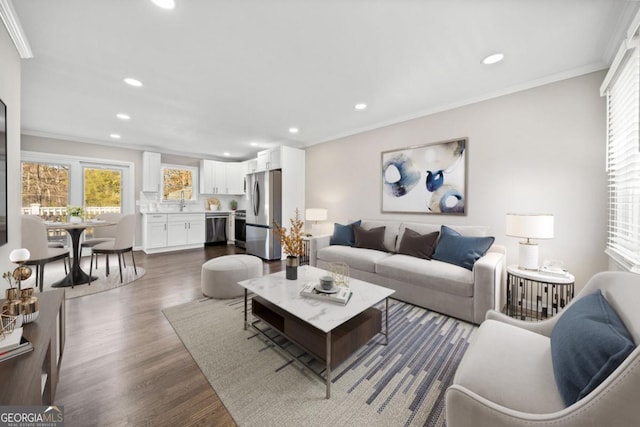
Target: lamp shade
(19,255)
(316,214)
(530,226)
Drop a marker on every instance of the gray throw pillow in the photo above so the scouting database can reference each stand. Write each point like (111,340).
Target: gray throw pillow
(418,245)
(369,239)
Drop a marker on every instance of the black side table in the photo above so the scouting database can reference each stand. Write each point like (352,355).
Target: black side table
(533,295)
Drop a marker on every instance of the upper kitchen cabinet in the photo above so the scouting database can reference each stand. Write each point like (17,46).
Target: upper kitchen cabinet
(235,178)
(269,159)
(221,177)
(151,171)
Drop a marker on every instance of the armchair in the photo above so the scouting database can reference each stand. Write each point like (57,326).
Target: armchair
(506,376)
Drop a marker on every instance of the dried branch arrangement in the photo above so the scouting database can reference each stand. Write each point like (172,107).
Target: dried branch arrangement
(291,241)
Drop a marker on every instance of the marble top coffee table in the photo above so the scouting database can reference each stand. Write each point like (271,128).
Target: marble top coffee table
(328,331)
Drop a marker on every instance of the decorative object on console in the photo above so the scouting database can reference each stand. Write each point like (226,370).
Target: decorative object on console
(316,214)
(291,244)
(529,226)
(343,234)
(442,165)
(23,303)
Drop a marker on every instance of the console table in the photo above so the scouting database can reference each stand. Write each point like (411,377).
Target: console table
(31,378)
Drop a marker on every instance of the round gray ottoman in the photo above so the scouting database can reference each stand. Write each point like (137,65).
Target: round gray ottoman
(220,276)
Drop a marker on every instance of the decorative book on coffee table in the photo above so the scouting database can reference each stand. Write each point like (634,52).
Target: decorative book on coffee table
(338,295)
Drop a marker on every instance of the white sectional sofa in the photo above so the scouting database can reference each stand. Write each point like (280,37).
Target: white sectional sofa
(435,285)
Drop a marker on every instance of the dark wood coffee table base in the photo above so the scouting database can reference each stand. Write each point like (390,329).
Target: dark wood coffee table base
(330,348)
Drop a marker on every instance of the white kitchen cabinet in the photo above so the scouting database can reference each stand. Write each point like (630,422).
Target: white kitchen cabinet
(185,229)
(269,159)
(165,232)
(221,177)
(154,231)
(235,178)
(151,171)
(252,166)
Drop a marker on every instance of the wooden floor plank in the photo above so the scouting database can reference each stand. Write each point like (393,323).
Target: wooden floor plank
(123,364)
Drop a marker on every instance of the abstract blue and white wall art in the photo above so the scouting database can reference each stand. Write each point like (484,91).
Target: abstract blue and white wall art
(430,178)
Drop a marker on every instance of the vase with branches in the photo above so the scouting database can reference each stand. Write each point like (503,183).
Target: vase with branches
(292,244)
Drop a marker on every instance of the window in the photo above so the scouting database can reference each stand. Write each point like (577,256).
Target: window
(55,181)
(178,182)
(45,189)
(622,89)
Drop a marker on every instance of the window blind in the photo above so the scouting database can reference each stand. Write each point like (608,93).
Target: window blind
(623,160)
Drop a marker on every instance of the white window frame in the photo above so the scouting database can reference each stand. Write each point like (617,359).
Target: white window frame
(194,174)
(76,179)
(622,90)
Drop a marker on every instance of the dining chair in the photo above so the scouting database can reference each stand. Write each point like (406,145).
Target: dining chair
(122,243)
(102,234)
(34,238)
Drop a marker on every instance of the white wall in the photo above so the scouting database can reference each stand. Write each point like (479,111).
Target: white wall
(10,95)
(539,150)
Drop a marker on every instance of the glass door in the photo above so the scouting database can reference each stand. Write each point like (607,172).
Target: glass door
(102,191)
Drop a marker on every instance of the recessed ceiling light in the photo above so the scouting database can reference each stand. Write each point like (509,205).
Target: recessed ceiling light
(361,106)
(293,130)
(226,153)
(115,136)
(123,116)
(253,144)
(492,59)
(133,82)
(165,4)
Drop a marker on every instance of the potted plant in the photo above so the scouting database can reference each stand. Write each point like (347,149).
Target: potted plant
(233,204)
(291,244)
(75,213)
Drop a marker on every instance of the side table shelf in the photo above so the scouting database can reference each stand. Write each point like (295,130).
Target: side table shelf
(532,295)
(32,378)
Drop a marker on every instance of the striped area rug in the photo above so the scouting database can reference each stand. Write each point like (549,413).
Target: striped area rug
(402,383)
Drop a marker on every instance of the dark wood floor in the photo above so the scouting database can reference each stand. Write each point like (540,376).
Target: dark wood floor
(124,365)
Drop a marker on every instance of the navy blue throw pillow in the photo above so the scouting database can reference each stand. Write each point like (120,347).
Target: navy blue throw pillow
(588,343)
(460,250)
(343,234)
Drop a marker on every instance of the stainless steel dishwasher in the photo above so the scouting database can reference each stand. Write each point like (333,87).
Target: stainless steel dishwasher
(216,228)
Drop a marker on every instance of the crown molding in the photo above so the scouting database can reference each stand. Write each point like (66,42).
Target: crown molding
(12,23)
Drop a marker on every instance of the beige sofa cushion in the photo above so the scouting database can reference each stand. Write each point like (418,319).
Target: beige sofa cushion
(438,275)
(357,258)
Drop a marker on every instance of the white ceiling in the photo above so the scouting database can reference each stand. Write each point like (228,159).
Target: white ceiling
(219,75)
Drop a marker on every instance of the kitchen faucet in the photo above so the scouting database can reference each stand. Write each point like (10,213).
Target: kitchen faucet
(182,203)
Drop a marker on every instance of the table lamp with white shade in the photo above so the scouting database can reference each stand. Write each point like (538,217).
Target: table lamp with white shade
(316,214)
(529,226)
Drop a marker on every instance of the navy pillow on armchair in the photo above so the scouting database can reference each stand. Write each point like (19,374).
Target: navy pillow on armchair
(588,343)
(460,250)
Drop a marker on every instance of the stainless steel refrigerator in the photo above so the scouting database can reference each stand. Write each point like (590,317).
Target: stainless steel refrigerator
(265,207)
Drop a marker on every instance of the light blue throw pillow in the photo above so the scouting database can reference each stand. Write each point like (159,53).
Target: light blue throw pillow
(343,234)
(588,343)
(460,250)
